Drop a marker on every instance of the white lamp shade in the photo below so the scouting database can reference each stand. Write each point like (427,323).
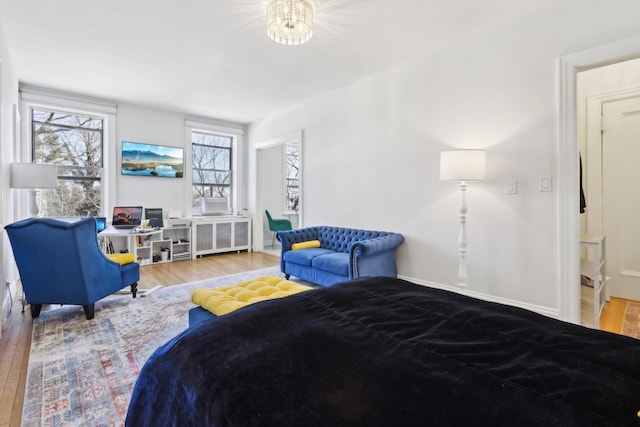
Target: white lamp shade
(33,175)
(462,165)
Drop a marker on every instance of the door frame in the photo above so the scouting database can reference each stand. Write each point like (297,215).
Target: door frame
(595,140)
(256,204)
(567,167)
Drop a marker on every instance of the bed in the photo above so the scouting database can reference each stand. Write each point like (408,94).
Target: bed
(381,351)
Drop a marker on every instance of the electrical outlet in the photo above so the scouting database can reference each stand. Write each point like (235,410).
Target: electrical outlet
(512,186)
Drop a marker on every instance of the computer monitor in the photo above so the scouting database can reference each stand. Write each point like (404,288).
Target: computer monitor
(154,215)
(101,223)
(127,217)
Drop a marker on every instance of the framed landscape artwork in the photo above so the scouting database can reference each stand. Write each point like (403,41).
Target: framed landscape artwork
(152,160)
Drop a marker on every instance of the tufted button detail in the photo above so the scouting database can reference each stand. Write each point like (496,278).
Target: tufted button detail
(340,239)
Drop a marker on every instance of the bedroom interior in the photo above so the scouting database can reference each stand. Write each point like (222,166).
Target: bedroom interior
(371,114)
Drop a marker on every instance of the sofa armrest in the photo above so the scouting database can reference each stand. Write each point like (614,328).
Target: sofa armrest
(289,237)
(374,257)
(376,245)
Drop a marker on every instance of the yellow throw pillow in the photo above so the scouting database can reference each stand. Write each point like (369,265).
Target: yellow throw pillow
(306,245)
(122,258)
(226,299)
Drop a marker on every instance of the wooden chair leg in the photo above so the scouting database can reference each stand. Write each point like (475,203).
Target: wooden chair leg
(89,311)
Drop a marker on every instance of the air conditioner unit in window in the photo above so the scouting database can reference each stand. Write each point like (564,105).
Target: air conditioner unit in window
(215,206)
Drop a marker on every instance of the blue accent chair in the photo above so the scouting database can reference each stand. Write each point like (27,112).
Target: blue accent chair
(62,263)
(344,254)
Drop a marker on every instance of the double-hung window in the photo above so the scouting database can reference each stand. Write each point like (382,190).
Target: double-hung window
(211,160)
(74,143)
(292,176)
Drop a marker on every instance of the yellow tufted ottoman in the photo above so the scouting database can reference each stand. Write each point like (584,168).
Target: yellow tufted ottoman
(226,299)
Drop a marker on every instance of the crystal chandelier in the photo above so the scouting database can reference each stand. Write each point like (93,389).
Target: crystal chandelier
(290,21)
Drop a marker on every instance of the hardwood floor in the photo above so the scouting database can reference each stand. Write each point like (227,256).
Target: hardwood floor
(16,337)
(613,315)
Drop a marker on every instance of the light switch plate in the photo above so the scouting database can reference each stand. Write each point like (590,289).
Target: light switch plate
(544,184)
(512,186)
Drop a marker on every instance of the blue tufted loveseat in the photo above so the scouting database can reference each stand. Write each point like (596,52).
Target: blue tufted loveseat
(344,254)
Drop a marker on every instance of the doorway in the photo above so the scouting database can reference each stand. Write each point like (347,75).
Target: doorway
(568,222)
(274,187)
(610,98)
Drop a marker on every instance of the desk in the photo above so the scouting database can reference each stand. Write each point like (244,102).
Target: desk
(113,240)
(594,267)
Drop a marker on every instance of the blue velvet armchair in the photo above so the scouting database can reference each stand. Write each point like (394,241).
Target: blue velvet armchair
(62,263)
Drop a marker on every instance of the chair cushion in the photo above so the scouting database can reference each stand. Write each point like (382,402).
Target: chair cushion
(334,262)
(304,256)
(122,258)
(226,299)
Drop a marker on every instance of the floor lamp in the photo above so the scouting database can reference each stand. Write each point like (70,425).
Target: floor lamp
(462,166)
(33,176)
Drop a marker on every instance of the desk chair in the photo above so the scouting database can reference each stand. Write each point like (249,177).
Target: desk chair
(276,225)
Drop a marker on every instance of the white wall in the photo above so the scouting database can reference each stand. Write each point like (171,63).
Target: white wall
(372,150)
(8,101)
(149,126)
(153,126)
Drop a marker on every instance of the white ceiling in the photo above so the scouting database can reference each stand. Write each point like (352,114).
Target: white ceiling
(213,58)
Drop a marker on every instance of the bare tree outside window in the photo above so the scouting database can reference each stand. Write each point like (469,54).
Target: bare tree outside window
(211,167)
(292,176)
(73,142)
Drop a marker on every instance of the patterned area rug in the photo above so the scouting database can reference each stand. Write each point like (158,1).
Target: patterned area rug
(82,373)
(631,322)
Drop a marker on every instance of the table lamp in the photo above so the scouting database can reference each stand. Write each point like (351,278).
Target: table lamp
(33,176)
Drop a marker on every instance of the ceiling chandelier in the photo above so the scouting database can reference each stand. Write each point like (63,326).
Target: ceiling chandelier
(290,21)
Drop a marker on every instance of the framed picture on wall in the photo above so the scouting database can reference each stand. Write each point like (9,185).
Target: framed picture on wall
(152,160)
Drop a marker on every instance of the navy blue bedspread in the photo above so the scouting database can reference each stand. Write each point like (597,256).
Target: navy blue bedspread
(386,352)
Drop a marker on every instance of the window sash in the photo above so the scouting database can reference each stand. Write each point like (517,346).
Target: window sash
(221,170)
(75,135)
(78,153)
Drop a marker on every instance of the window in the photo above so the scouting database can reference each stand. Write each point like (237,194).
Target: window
(73,142)
(211,173)
(292,176)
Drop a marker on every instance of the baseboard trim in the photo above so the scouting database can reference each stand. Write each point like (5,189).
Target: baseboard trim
(6,305)
(546,311)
